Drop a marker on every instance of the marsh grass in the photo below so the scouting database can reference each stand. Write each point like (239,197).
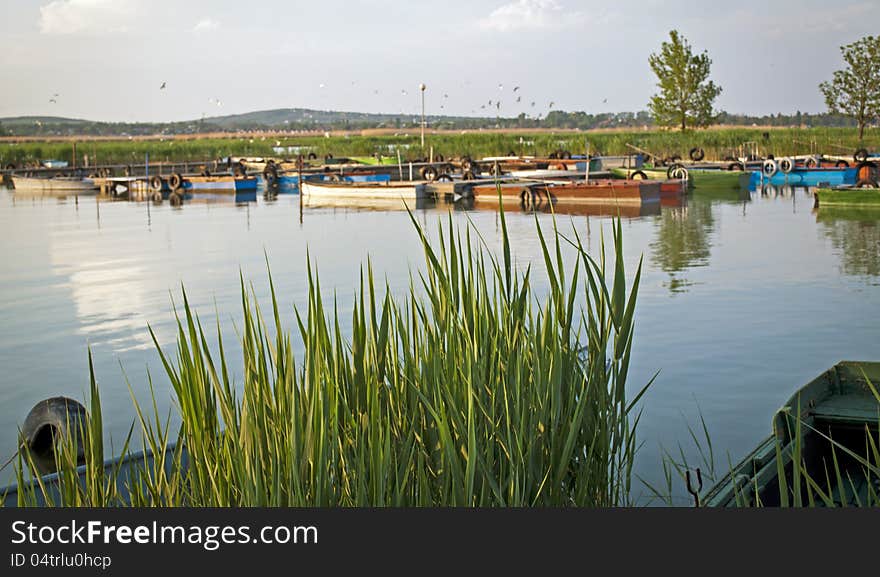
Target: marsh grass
(717,144)
(469,390)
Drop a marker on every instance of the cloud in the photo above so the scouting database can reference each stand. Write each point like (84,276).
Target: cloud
(64,17)
(206,25)
(530,14)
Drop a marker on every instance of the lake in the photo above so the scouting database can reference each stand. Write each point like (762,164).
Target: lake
(744,296)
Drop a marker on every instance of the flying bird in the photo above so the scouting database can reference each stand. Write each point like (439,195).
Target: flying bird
(515,88)
(551,105)
(490,103)
(163,86)
(53,100)
(518,98)
(500,87)
(604,100)
(533,103)
(445,95)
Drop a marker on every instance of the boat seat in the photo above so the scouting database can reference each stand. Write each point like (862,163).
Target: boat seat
(855,409)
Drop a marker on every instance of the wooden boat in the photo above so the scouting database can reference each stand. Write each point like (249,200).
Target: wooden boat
(840,404)
(697,178)
(395,189)
(847,196)
(65,184)
(602,191)
(220,181)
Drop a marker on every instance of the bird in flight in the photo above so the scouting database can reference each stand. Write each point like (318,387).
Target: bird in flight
(604,100)
(533,103)
(551,105)
(515,88)
(162,87)
(518,98)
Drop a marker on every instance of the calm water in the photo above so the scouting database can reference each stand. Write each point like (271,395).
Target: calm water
(744,296)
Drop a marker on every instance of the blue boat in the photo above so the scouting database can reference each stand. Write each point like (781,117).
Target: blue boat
(220,182)
(805,177)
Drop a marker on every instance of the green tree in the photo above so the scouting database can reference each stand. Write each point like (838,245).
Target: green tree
(686,94)
(855,91)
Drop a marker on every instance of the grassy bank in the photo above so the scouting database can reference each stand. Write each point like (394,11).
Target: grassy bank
(717,144)
(469,390)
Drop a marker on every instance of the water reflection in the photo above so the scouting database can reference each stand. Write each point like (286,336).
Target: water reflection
(855,234)
(683,241)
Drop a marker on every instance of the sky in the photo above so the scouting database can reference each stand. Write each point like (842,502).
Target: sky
(108,59)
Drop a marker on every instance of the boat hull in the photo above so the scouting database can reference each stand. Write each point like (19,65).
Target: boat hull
(53,185)
(805,177)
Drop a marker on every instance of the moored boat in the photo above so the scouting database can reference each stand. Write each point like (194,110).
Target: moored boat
(66,184)
(602,191)
(220,181)
(826,176)
(847,196)
(817,452)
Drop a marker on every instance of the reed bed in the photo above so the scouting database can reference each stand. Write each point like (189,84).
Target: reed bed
(717,144)
(470,390)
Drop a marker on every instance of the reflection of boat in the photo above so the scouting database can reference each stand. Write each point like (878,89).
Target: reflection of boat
(65,184)
(839,404)
(368,204)
(868,213)
(393,190)
(610,209)
(220,196)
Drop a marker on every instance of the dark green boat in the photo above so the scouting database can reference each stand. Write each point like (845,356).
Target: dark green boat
(824,445)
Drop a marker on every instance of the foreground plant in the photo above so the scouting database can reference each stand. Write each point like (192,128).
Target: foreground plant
(469,391)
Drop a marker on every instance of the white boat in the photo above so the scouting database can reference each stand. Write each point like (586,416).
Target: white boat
(55,184)
(343,189)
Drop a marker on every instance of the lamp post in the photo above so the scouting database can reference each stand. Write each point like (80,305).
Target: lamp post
(422,89)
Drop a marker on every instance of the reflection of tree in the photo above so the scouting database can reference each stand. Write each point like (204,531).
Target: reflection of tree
(856,234)
(683,241)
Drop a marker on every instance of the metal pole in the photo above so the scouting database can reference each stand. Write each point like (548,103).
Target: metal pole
(422,89)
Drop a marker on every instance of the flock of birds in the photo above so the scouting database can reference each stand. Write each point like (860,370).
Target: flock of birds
(496,102)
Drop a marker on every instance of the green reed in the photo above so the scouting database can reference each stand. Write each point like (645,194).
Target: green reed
(469,390)
(718,144)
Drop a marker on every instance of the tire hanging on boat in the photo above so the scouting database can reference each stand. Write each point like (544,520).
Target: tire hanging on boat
(156,182)
(697,154)
(737,165)
(786,165)
(811,162)
(769,167)
(638,175)
(50,423)
(428,173)
(671,170)
(175,181)
(841,164)
(861,155)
